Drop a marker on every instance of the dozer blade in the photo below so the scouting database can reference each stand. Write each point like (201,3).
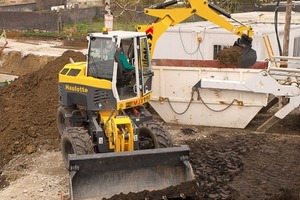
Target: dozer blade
(98,176)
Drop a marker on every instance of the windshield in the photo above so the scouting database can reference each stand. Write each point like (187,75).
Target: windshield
(101,57)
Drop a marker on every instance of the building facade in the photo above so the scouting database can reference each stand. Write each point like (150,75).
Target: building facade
(16,1)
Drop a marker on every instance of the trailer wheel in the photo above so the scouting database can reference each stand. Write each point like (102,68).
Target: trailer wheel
(61,120)
(75,140)
(153,135)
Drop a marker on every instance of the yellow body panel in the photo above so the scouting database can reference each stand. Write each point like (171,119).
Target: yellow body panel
(119,130)
(81,78)
(131,103)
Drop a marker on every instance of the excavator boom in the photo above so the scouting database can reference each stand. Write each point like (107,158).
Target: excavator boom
(167,17)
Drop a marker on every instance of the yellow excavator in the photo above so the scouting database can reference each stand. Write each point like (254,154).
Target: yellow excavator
(109,141)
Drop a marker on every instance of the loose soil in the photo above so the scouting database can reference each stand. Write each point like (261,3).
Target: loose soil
(228,163)
(230,55)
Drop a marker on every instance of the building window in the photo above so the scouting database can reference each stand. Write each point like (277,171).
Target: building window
(296,52)
(217,49)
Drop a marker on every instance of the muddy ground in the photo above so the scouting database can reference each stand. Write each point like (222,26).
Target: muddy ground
(228,163)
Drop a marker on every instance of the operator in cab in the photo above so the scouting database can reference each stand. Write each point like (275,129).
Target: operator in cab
(125,69)
(126,65)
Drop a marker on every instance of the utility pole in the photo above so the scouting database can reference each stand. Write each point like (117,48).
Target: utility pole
(286,36)
(108,17)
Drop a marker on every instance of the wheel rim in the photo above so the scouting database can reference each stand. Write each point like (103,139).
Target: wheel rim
(147,139)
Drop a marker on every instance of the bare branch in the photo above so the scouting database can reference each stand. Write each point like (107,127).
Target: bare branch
(127,7)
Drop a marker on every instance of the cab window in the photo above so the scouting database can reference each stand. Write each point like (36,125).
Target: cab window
(101,58)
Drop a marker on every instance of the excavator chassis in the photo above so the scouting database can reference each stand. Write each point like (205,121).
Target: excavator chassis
(98,176)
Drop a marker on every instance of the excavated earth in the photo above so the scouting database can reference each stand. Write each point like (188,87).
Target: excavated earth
(228,163)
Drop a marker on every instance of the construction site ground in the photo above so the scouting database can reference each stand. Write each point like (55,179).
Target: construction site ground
(228,163)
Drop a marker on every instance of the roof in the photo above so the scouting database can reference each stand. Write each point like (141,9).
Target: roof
(120,34)
(262,22)
(265,17)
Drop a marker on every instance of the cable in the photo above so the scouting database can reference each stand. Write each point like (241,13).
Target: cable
(221,110)
(178,113)
(199,98)
(184,47)
(199,43)
(276,27)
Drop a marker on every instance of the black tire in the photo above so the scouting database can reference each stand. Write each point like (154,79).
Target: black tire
(76,140)
(153,135)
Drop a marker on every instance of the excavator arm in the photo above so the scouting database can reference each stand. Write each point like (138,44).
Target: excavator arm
(167,17)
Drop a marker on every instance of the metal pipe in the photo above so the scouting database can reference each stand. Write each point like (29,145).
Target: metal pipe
(164,5)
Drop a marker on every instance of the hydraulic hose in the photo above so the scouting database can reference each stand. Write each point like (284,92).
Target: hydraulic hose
(276,27)
(164,5)
(219,10)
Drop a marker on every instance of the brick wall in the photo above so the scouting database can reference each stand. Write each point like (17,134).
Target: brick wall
(16,1)
(48,21)
(19,7)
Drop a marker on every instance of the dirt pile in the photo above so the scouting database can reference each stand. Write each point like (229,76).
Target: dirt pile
(188,191)
(17,64)
(245,165)
(28,110)
(230,55)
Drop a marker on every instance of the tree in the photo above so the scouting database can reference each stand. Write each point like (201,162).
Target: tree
(286,36)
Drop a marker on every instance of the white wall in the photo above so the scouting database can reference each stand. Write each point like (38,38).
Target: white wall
(180,42)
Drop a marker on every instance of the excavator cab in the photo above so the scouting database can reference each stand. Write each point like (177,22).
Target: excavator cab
(131,78)
(109,142)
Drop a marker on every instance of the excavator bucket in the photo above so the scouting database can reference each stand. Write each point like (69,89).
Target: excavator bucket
(238,55)
(248,57)
(98,176)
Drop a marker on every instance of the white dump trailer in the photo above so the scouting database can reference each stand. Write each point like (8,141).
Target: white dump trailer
(184,60)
